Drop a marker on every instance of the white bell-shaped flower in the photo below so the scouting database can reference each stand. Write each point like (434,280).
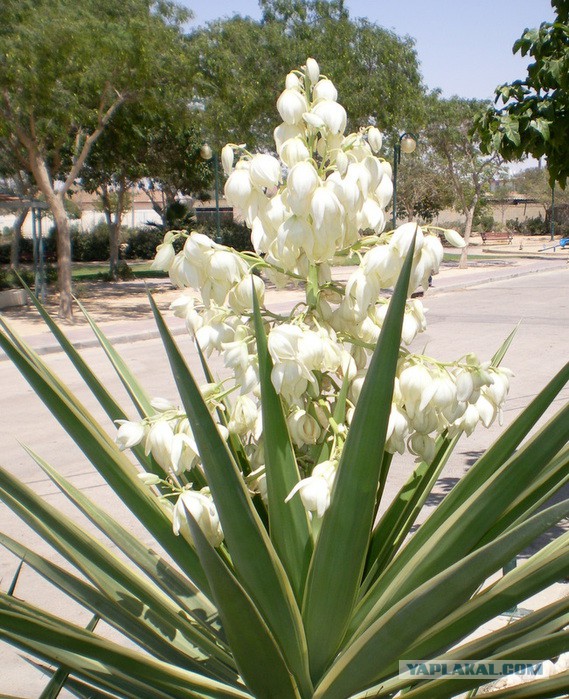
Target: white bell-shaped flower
(291,105)
(265,170)
(403,237)
(238,188)
(284,132)
(159,442)
(316,489)
(129,434)
(243,416)
(164,257)
(325,90)
(203,510)
(332,114)
(294,151)
(241,296)
(302,181)
(303,428)
(384,191)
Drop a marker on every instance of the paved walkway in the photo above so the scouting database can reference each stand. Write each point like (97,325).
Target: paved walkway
(123,312)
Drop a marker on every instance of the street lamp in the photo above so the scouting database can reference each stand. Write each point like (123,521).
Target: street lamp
(406,144)
(207,154)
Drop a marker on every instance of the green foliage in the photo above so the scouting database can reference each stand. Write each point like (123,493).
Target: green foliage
(533,118)
(142,243)
(235,61)
(330,612)
(529,226)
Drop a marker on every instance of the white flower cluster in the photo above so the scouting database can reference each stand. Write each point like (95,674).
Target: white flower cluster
(324,195)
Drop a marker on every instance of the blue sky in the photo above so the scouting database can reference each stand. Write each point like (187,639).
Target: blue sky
(464,46)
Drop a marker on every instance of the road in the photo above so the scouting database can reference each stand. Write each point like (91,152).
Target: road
(476,318)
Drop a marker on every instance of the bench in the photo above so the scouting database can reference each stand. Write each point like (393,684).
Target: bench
(497,237)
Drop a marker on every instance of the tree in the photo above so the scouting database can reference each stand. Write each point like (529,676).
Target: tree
(469,171)
(534,116)
(235,62)
(423,187)
(67,67)
(151,145)
(19,182)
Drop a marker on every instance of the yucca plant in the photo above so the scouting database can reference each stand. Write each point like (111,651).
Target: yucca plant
(285,573)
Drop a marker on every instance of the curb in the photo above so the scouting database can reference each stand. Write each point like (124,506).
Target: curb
(480,282)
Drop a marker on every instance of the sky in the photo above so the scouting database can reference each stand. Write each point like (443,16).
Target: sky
(464,46)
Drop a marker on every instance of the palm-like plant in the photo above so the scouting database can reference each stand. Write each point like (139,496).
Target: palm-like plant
(280,609)
(265,594)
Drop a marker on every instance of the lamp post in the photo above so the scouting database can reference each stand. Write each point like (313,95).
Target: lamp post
(406,143)
(207,154)
(552,221)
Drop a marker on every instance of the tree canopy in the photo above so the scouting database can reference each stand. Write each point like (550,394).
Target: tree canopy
(531,116)
(237,64)
(66,68)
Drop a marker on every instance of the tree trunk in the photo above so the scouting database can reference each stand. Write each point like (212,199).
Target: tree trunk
(114,233)
(54,200)
(17,237)
(467,231)
(63,258)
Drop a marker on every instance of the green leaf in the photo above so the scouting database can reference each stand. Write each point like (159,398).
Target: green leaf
(378,644)
(397,521)
(60,676)
(102,661)
(541,126)
(159,570)
(288,521)
(106,570)
(105,456)
(251,641)
(339,556)
(134,389)
(256,563)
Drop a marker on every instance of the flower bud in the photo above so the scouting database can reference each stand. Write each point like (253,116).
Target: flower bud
(292,82)
(227,157)
(454,238)
(342,162)
(375,139)
(312,70)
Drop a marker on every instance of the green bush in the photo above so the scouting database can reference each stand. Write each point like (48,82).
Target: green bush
(142,243)
(528,226)
(90,246)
